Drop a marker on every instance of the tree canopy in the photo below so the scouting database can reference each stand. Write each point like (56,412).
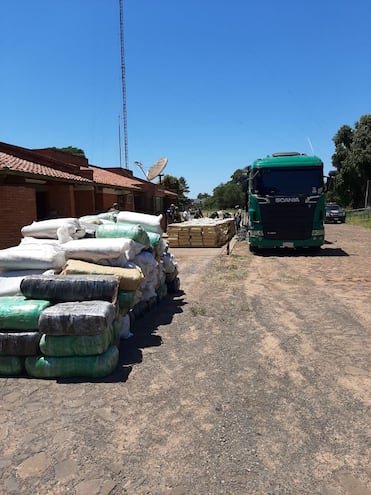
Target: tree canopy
(352,161)
(72,151)
(227,195)
(180,186)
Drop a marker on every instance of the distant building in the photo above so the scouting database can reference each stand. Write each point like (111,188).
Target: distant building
(45,183)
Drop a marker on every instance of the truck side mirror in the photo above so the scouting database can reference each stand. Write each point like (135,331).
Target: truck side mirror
(329,183)
(243,180)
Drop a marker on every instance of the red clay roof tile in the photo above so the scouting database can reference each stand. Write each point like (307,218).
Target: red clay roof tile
(102,176)
(15,164)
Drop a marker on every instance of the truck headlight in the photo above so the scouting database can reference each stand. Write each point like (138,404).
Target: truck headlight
(256,233)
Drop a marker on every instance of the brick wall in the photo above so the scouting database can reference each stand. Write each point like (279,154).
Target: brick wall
(85,202)
(18,208)
(61,198)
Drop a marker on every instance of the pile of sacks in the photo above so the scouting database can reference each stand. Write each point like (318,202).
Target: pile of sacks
(73,287)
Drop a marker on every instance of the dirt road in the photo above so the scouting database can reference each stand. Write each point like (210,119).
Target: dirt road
(253,380)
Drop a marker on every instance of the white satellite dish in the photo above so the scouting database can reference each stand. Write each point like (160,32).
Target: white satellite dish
(155,170)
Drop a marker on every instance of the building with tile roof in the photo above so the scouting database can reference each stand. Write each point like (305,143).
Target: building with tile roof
(44,183)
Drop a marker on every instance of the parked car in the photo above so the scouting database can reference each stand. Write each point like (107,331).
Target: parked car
(335,214)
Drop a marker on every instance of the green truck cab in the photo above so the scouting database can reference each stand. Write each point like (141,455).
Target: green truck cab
(285,202)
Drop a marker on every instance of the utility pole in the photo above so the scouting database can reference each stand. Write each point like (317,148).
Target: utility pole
(123,84)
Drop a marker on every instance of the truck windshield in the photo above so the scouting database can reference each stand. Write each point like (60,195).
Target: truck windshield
(281,181)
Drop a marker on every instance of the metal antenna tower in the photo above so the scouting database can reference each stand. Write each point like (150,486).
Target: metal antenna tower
(123,83)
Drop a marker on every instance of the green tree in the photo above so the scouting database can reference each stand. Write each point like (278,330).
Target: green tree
(352,161)
(72,151)
(180,186)
(171,182)
(228,195)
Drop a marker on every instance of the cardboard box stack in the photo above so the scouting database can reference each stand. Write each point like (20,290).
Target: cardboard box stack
(204,232)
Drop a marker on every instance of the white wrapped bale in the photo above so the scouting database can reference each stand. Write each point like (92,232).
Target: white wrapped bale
(150,223)
(111,252)
(150,269)
(90,223)
(169,263)
(32,257)
(10,281)
(36,240)
(48,229)
(77,318)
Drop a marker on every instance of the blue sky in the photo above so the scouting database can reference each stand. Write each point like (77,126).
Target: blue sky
(211,84)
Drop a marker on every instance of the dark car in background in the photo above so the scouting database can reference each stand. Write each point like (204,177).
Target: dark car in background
(334,214)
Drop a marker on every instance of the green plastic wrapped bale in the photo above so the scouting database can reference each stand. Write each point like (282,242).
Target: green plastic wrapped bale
(108,215)
(67,288)
(11,365)
(78,318)
(154,239)
(128,231)
(68,345)
(19,343)
(76,366)
(116,330)
(19,313)
(126,299)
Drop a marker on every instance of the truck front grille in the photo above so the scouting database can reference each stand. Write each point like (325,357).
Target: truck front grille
(287,221)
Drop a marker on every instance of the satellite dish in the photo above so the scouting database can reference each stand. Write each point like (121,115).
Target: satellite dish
(157,168)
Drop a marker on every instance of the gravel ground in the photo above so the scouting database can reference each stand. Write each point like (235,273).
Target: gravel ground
(253,379)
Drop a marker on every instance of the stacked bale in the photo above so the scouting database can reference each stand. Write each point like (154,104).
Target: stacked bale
(145,230)
(170,269)
(19,335)
(77,332)
(129,279)
(150,223)
(86,279)
(203,232)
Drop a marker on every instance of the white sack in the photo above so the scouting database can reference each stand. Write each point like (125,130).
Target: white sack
(162,247)
(125,329)
(150,269)
(47,229)
(113,252)
(32,256)
(169,263)
(150,223)
(35,240)
(10,281)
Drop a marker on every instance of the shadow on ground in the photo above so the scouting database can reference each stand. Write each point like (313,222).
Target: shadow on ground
(144,330)
(300,252)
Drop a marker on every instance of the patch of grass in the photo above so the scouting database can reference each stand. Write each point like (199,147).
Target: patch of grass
(287,279)
(360,218)
(198,311)
(238,258)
